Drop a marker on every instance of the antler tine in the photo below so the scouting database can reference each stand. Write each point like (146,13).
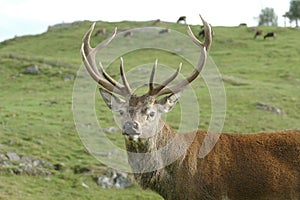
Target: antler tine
(204,47)
(86,50)
(155,91)
(107,41)
(109,78)
(151,80)
(92,51)
(88,55)
(123,76)
(207,32)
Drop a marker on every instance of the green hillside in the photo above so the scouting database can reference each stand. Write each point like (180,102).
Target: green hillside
(261,78)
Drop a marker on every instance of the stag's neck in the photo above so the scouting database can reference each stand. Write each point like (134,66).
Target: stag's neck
(158,140)
(154,160)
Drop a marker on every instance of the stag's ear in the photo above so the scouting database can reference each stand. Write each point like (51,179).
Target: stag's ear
(112,101)
(168,102)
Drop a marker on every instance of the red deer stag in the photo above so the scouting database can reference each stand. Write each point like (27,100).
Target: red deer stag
(240,166)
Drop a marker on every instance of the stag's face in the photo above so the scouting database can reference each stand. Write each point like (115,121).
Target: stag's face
(139,115)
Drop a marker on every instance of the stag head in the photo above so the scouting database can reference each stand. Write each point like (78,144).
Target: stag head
(140,115)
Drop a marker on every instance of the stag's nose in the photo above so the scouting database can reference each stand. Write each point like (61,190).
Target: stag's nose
(131,128)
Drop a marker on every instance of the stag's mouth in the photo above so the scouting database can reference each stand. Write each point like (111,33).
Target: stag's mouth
(132,137)
(131,134)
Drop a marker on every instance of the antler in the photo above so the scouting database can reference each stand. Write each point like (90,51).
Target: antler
(204,48)
(100,76)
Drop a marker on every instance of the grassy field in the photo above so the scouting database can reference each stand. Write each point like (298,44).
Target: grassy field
(36,110)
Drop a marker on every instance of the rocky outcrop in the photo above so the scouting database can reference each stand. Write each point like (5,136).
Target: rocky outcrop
(11,162)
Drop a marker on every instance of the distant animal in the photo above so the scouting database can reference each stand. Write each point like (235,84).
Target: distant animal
(166,30)
(258,33)
(262,166)
(181,19)
(270,34)
(243,24)
(202,33)
(128,34)
(156,22)
(100,31)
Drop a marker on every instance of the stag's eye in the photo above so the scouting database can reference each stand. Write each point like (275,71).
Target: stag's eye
(121,112)
(151,114)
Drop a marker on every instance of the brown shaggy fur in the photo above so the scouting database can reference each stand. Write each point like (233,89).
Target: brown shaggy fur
(262,166)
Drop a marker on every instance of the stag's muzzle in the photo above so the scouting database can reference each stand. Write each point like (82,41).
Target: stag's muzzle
(131,128)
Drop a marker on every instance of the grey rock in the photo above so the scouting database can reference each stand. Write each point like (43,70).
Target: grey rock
(83,184)
(69,77)
(37,163)
(13,163)
(12,156)
(3,158)
(47,179)
(32,70)
(105,182)
(26,159)
(268,107)
(122,181)
(114,179)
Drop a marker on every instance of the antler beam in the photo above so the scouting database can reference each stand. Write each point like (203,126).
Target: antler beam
(100,76)
(204,48)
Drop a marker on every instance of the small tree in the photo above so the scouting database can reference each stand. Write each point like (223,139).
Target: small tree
(294,12)
(267,17)
(289,16)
